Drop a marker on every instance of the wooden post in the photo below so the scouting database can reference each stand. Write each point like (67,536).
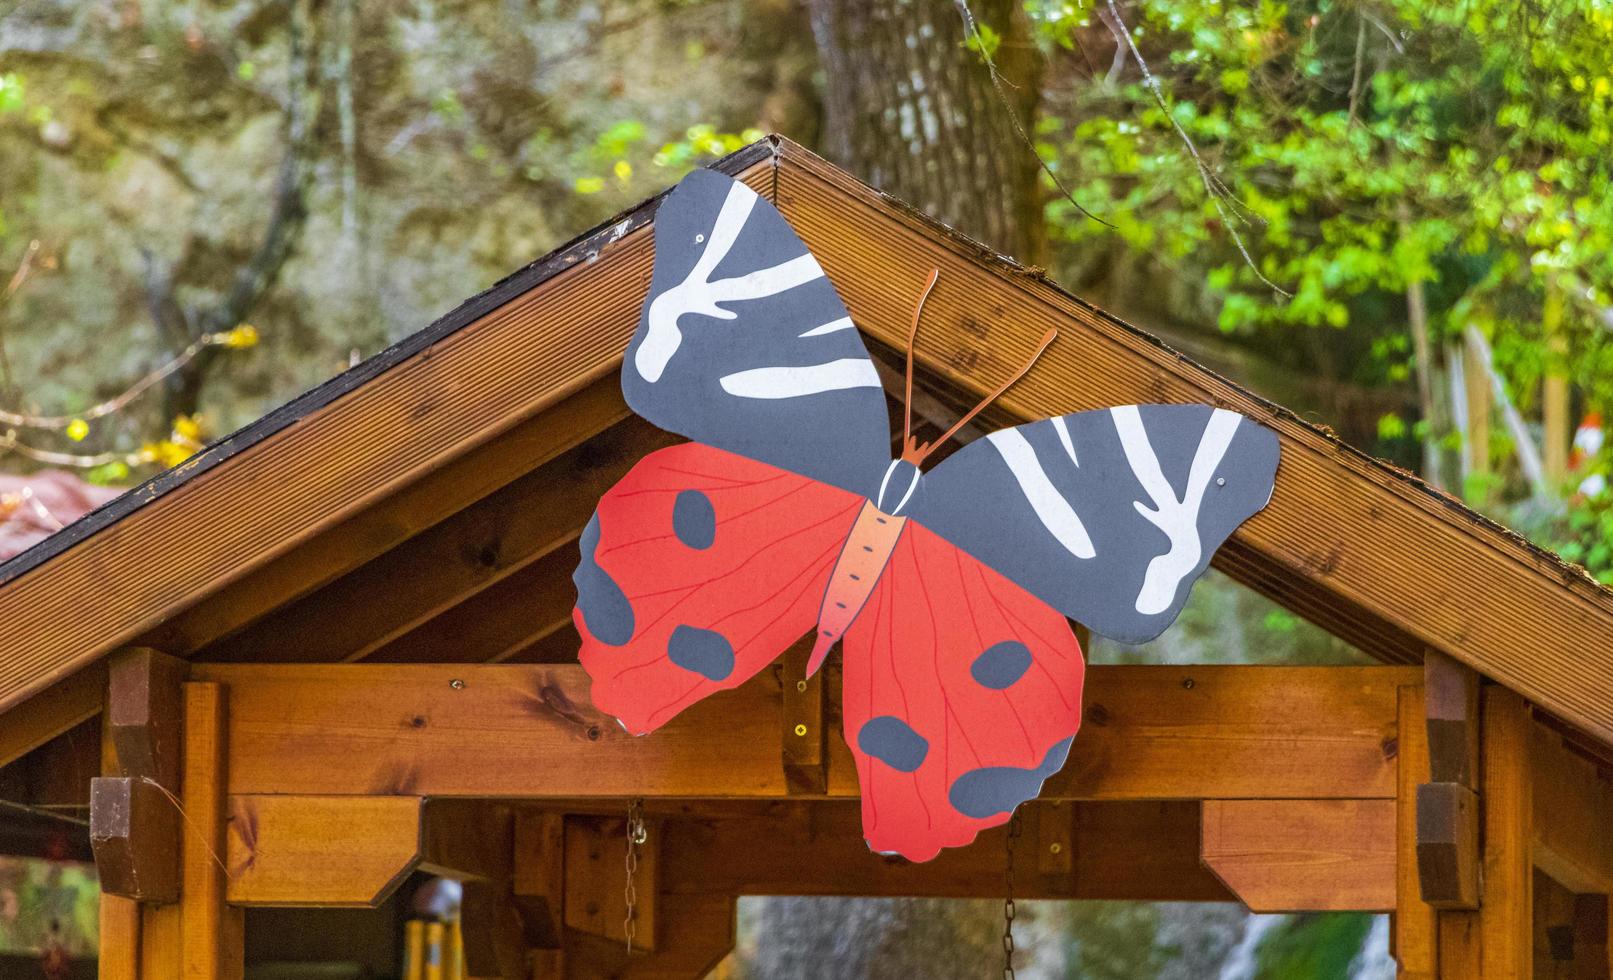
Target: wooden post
(805,758)
(211,930)
(1506,918)
(1447,805)
(1415,921)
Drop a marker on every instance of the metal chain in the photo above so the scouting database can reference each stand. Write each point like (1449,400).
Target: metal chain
(1015,828)
(636,836)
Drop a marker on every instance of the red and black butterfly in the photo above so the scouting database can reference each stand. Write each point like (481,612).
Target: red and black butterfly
(949,590)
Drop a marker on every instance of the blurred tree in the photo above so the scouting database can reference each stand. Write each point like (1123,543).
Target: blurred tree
(908,108)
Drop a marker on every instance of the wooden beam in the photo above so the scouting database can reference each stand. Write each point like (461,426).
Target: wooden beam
(537,515)
(376,529)
(524,346)
(1448,845)
(1138,851)
(58,709)
(135,833)
(212,931)
(698,933)
(529,732)
(1416,923)
(1452,697)
(596,880)
(335,851)
(1505,919)
(1573,815)
(1303,855)
(806,759)
(1344,532)
(539,872)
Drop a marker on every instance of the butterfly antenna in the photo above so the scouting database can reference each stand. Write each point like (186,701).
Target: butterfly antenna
(1047,339)
(912,335)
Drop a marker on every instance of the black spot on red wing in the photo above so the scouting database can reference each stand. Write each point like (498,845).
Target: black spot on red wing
(604,606)
(1001,665)
(987,792)
(893,742)
(694,519)
(704,652)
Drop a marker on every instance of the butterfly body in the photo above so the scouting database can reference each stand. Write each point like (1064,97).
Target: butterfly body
(947,591)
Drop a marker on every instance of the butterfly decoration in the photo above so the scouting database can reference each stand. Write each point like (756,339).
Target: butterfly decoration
(948,590)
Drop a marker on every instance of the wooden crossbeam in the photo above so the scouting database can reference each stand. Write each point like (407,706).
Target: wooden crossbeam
(60,708)
(1303,855)
(534,516)
(528,732)
(1145,851)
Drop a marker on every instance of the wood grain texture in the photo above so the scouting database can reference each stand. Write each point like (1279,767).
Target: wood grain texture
(596,880)
(696,934)
(1506,919)
(1375,554)
(341,449)
(1416,923)
(1448,845)
(119,939)
(530,732)
(1573,815)
(64,705)
(212,932)
(1303,855)
(339,851)
(1139,851)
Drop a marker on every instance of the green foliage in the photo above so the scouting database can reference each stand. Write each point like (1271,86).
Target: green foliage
(1464,147)
(1318,947)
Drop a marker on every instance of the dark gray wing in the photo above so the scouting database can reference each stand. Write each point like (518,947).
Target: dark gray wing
(1107,516)
(743,343)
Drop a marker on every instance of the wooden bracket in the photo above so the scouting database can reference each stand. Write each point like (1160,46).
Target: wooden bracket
(341,851)
(805,720)
(1310,855)
(1448,805)
(135,829)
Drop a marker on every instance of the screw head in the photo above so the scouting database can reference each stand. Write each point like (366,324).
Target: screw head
(800,729)
(1055,847)
(800,686)
(457,684)
(1220,481)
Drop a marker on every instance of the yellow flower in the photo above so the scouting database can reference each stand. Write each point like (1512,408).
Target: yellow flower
(624,171)
(187,429)
(77,430)
(245,335)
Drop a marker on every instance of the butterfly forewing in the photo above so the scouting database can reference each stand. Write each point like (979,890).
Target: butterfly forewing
(743,343)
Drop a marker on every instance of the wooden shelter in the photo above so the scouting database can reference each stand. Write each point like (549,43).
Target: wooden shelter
(341,638)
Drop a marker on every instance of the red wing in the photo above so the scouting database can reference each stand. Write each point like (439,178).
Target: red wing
(698,569)
(962,694)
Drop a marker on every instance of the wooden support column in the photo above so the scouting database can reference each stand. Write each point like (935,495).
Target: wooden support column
(1415,922)
(539,886)
(212,930)
(1505,920)
(1447,805)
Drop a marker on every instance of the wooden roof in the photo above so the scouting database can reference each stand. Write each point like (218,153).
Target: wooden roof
(214,555)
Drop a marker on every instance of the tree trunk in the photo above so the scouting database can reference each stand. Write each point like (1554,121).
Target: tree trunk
(914,112)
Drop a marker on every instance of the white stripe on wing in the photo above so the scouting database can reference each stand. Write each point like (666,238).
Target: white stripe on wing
(811,379)
(1050,507)
(833,326)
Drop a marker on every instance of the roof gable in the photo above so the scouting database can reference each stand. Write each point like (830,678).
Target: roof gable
(1364,549)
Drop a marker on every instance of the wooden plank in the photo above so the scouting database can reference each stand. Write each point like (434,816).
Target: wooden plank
(539,872)
(162,941)
(537,515)
(1391,558)
(1416,929)
(119,939)
(376,529)
(1136,851)
(58,709)
(1573,815)
(596,880)
(529,732)
(1506,918)
(336,851)
(699,932)
(1228,732)
(523,347)
(492,932)
(1303,855)
(212,935)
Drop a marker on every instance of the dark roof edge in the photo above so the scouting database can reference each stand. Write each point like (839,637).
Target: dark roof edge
(580,249)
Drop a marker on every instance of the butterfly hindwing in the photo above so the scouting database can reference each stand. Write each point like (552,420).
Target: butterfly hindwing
(698,569)
(961,695)
(1108,516)
(743,343)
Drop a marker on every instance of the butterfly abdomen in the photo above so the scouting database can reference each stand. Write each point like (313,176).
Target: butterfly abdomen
(862,561)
